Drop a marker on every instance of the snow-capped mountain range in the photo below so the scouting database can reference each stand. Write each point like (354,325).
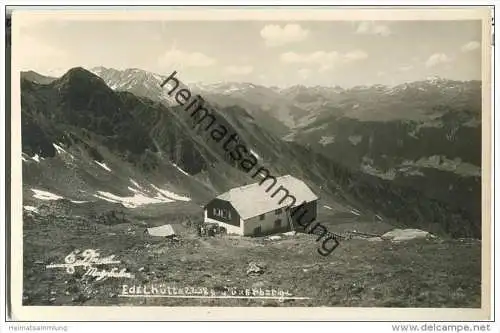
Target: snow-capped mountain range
(297,105)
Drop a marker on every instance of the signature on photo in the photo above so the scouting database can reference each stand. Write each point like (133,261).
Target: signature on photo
(89,259)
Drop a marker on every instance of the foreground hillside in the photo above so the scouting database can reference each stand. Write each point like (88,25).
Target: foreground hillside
(417,273)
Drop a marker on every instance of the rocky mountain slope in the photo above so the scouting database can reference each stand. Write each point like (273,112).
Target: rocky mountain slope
(425,135)
(84,141)
(273,111)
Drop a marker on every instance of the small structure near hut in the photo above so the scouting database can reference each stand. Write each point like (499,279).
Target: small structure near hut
(165,230)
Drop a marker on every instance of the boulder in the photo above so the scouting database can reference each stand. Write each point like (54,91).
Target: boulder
(255,269)
(397,235)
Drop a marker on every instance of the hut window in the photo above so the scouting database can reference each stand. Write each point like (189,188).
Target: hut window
(263,216)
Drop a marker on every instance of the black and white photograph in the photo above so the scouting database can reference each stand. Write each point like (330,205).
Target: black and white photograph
(252,158)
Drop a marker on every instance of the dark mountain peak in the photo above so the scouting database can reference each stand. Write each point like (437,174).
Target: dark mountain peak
(79,72)
(82,91)
(82,79)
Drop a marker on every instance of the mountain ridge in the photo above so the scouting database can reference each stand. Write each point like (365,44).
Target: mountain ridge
(146,137)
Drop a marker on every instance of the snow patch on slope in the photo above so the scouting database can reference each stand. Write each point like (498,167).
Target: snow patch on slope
(254,153)
(135,201)
(49,196)
(104,166)
(31,209)
(59,149)
(140,196)
(326,140)
(171,195)
(45,195)
(136,184)
(355,212)
(355,139)
(178,168)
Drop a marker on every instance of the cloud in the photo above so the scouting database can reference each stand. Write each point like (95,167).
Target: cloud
(470,46)
(323,60)
(275,35)
(304,73)
(355,55)
(373,28)
(239,70)
(182,59)
(263,77)
(437,59)
(45,58)
(405,68)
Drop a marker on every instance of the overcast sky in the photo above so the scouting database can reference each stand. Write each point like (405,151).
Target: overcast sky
(344,53)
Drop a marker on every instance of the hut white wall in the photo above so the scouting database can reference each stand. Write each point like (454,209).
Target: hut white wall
(267,224)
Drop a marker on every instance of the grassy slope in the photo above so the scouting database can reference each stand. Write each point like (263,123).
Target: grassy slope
(420,273)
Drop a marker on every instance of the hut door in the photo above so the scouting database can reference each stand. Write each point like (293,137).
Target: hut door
(257,231)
